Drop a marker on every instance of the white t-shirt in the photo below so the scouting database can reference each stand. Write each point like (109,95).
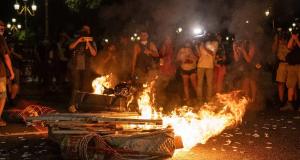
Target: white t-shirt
(206,60)
(187,60)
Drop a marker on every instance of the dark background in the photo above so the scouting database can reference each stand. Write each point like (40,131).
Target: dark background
(115,17)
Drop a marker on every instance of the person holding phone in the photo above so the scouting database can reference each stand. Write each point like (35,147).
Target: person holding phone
(206,52)
(188,68)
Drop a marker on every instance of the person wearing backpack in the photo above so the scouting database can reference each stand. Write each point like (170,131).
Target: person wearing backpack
(280,47)
(293,73)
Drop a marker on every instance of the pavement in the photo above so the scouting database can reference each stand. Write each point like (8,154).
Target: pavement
(265,133)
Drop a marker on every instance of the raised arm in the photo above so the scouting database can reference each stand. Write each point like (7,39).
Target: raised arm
(275,44)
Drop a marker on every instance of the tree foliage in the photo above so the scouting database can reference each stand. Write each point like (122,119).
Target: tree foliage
(79,5)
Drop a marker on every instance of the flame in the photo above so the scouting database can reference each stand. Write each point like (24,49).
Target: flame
(145,103)
(101,82)
(197,127)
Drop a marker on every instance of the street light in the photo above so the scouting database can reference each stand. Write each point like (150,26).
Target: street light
(106,40)
(8,25)
(13,20)
(294,24)
(290,29)
(19,26)
(267,13)
(227,38)
(25,9)
(247,21)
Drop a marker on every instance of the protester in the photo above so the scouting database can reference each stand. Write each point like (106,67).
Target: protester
(16,62)
(188,69)
(166,69)
(280,47)
(110,63)
(293,74)
(219,67)
(142,62)
(82,62)
(244,54)
(206,53)
(4,58)
(53,68)
(63,61)
(126,54)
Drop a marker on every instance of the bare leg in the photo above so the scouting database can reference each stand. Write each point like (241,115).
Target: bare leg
(193,78)
(253,89)
(14,91)
(291,92)
(296,94)
(186,79)
(246,87)
(281,90)
(2,103)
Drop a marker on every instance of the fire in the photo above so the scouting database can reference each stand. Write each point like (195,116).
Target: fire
(197,127)
(145,103)
(101,82)
(209,121)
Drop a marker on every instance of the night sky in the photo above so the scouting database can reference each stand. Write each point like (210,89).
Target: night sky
(113,17)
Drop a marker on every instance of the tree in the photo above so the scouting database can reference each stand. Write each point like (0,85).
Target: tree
(79,5)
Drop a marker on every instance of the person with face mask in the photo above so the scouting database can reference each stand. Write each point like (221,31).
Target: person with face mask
(4,52)
(84,51)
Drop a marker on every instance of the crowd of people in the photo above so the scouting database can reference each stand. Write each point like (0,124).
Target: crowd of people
(204,61)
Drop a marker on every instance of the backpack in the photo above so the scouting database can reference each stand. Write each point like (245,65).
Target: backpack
(293,58)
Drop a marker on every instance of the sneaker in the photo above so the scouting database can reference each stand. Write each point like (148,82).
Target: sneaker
(288,107)
(2,123)
(72,109)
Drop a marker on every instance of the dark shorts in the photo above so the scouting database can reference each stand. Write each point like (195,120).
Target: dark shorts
(188,72)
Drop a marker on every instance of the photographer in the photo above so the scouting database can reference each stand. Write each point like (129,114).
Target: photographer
(206,52)
(280,47)
(293,70)
(244,54)
(84,51)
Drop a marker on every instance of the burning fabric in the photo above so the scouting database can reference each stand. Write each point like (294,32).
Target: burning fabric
(100,83)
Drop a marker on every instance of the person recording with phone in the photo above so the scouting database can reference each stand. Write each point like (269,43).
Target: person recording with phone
(188,68)
(206,52)
(245,54)
(84,50)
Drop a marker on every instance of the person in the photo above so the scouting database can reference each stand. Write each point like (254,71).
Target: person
(84,51)
(244,53)
(4,54)
(292,75)
(110,63)
(52,65)
(142,62)
(166,68)
(125,49)
(41,50)
(15,61)
(206,53)
(188,69)
(63,61)
(280,47)
(219,66)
